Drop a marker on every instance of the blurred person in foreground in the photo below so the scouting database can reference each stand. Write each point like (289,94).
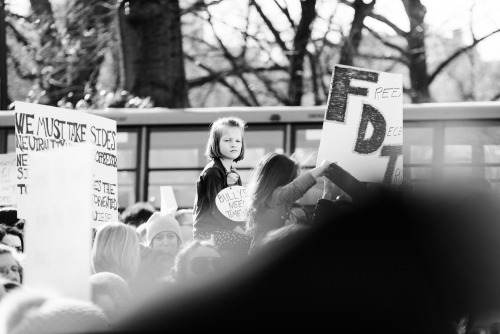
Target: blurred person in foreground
(397,262)
(28,311)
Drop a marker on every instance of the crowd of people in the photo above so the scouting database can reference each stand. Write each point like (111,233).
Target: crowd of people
(368,258)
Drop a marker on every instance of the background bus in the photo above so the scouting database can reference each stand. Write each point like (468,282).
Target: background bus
(160,146)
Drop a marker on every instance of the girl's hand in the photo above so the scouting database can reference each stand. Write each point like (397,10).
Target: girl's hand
(320,170)
(328,189)
(324,166)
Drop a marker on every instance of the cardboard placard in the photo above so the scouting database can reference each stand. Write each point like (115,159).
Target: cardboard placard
(42,128)
(58,239)
(363,125)
(8,179)
(231,202)
(168,201)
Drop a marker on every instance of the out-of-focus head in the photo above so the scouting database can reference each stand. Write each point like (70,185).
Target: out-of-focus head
(8,216)
(163,233)
(111,293)
(28,311)
(138,213)
(10,264)
(199,261)
(116,249)
(11,236)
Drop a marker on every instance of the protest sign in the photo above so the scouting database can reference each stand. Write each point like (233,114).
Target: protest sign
(168,202)
(363,124)
(8,179)
(231,203)
(58,240)
(41,128)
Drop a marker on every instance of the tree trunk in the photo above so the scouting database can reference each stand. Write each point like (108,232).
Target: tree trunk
(152,51)
(416,52)
(351,43)
(302,37)
(50,44)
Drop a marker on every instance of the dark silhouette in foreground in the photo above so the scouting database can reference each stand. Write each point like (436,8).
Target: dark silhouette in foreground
(395,263)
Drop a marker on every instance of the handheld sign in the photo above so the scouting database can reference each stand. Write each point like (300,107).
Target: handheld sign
(58,240)
(363,125)
(168,202)
(8,179)
(231,203)
(42,128)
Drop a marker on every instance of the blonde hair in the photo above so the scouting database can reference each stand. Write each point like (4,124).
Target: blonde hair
(116,249)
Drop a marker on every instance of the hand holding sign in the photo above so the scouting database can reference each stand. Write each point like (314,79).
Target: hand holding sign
(231,202)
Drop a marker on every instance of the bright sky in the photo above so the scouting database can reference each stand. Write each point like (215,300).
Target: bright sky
(443,16)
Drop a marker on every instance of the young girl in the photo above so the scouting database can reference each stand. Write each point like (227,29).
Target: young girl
(275,184)
(225,147)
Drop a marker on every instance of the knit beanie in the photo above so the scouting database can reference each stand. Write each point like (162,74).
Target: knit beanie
(162,222)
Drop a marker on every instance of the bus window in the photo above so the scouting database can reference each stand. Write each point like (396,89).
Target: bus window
(177,148)
(306,144)
(472,150)
(127,148)
(259,142)
(418,152)
(11,142)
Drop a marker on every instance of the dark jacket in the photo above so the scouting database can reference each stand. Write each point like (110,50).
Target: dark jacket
(207,217)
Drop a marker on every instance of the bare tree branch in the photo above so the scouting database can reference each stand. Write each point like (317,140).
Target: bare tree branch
(284,10)
(233,62)
(223,81)
(495,97)
(458,53)
(271,27)
(394,27)
(385,41)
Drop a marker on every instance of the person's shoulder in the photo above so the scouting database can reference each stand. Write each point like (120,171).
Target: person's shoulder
(211,169)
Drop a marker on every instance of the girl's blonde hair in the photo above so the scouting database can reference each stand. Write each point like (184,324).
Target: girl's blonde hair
(116,249)
(273,170)
(213,151)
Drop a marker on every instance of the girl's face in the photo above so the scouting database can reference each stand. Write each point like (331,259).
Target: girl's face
(230,142)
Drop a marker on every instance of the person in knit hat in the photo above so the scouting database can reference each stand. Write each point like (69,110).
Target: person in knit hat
(163,240)
(163,233)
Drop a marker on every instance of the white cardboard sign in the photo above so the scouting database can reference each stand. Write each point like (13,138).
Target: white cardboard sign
(42,128)
(168,201)
(363,124)
(231,203)
(8,179)
(58,239)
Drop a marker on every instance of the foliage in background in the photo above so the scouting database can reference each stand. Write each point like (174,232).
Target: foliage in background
(263,53)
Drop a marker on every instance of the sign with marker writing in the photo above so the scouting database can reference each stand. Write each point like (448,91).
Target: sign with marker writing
(363,124)
(42,128)
(8,179)
(231,203)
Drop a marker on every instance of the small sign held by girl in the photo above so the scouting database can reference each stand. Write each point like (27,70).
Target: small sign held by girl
(225,147)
